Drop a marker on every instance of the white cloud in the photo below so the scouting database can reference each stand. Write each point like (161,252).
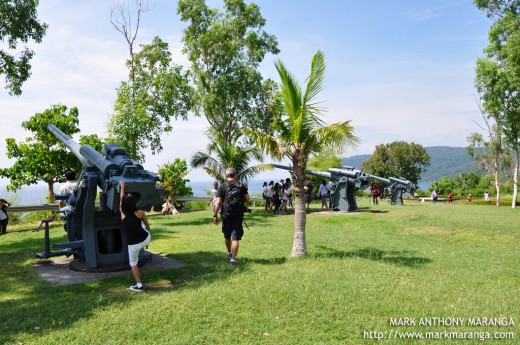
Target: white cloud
(427,13)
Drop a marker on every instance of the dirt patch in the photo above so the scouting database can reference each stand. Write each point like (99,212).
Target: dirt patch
(432,230)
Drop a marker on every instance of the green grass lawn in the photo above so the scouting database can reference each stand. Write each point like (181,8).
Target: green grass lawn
(362,269)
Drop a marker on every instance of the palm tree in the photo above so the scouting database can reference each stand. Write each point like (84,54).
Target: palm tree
(228,156)
(299,133)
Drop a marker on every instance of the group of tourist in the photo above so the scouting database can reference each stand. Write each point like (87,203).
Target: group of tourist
(469,198)
(278,196)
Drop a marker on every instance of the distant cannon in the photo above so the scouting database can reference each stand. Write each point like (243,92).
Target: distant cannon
(95,237)
(349,180)
(396,187)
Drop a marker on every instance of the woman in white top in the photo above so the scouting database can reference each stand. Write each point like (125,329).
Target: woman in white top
(323,192)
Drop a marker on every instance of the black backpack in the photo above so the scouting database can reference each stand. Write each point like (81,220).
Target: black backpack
(234,199)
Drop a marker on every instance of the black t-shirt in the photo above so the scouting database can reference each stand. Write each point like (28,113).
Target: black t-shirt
(221,193)
(310,187)
(134,231)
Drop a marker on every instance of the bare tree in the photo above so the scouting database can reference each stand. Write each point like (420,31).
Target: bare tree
(125,16)
(491,154)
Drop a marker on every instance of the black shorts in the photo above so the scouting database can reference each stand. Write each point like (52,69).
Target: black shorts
(232,228)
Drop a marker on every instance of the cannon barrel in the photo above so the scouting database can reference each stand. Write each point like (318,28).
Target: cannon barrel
(377,178)
(308,172)
(86,154)
(73,146)
(344,172)
(400,181)
(405,183)
(97,159)
(320,174)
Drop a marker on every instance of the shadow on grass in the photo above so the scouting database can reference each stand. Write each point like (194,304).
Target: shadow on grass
(31,245)
(399,258)
(203,220)
(43,308)
(40,311)
(370,210)
(194,222)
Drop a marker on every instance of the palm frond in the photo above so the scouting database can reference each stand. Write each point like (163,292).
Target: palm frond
(216,175)
(335,137)
(249,173)
(291,90)
(199,159)
(208,163)
(271,145)
(315,80)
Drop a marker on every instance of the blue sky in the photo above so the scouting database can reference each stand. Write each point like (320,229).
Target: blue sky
(399,70)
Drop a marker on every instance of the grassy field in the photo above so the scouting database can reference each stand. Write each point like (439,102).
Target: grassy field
(363,270)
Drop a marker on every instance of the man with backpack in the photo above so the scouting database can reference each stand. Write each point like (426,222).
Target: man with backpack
(232,196)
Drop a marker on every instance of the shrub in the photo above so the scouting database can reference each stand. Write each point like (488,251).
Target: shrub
(198,205)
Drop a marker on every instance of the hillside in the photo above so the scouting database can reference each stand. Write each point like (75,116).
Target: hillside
(445,161)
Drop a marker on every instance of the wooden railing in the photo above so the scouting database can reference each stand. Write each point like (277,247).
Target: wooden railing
(55,207)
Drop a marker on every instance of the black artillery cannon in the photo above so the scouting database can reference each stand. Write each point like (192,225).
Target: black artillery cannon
(396,187)
(95,236)
(348,180)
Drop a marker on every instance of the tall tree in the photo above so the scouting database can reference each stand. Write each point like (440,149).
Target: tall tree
(225,48)
(491,154)
(300,132)
(498,74)
(324,160)
(398,159)
(18,25)
(125,16)
(220,155)
(157,92)
(42,157)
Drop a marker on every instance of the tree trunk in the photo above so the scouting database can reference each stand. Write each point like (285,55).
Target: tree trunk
(300,219)
(497,186)
(515,181)
(51,191)
(300,214)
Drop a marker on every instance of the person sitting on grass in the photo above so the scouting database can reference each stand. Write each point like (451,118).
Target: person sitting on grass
(168,207)
(138,235)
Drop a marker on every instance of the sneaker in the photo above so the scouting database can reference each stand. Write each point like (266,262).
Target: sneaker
(228,256)
(232,262)
(135,288)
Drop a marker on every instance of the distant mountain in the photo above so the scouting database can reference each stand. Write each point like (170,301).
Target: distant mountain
(445,161)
